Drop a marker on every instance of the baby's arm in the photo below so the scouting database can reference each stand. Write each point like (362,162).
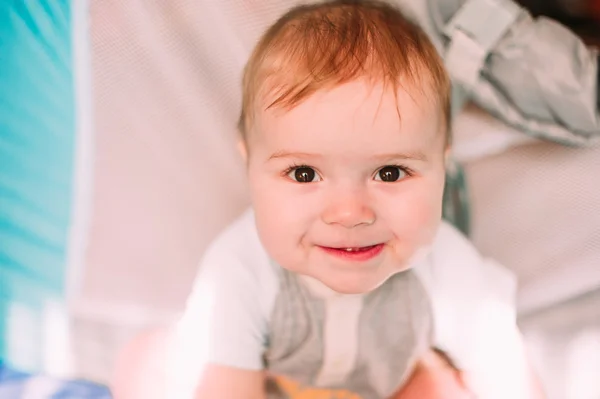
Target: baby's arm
(509,374)
(474,308)
(213,351)
(216,348)
(437,377)
(142,373)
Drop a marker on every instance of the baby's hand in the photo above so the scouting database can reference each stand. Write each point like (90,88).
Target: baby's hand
(434,378)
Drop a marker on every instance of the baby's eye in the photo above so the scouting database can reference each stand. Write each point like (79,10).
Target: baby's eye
(390,174)
(304,174)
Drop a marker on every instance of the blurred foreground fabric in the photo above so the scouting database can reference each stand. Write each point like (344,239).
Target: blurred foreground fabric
(18,385)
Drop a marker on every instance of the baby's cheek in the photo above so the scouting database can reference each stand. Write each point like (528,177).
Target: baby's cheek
(414,224)
(416,211)
(429,217)
(274,239)
(280,227)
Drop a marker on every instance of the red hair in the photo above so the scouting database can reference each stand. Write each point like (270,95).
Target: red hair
(320,46)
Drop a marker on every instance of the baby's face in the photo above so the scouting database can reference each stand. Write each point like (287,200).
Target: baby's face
(343,189)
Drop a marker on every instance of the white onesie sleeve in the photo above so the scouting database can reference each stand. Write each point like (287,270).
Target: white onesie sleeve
(473,300)
(226,318)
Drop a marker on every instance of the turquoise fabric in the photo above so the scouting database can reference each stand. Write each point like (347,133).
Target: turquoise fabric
(37,137)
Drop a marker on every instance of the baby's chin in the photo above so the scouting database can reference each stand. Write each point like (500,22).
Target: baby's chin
(354,288)
(353,283)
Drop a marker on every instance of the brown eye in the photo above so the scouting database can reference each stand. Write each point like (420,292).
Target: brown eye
(390,174)
(304,174)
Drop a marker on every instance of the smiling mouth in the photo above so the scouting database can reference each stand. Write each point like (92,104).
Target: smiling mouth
(355,249)
(355,253)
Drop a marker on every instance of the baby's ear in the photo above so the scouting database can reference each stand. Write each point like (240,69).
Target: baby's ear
(243,149)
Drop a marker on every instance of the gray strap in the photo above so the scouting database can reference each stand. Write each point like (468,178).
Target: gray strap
(474,31)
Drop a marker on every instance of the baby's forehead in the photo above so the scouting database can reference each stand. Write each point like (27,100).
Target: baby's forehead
(339,129)
(360,103)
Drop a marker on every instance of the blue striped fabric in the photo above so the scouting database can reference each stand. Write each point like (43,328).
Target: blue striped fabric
(18,385)
(37,141)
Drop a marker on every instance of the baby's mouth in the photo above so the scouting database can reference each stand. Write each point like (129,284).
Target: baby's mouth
(355,253)
(356,249)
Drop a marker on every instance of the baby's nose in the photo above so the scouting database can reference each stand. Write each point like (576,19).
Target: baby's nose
(349,210)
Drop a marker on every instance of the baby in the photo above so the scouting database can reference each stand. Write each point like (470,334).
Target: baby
(342,276)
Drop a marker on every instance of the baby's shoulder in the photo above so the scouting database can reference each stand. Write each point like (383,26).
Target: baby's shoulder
(239,242)
(450,245)
(461,283)
(454,262)
(231,301)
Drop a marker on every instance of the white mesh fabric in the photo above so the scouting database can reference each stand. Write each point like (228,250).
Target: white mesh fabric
(167,96)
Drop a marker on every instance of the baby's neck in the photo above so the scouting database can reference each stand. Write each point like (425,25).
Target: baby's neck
(320,290)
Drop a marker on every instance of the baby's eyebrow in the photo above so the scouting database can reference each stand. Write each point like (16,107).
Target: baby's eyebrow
(291,154)
(411,156)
